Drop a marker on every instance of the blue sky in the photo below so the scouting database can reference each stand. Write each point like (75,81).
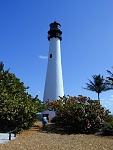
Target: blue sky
(86,48)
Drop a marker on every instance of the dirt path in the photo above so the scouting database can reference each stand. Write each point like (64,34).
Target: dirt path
(38,139)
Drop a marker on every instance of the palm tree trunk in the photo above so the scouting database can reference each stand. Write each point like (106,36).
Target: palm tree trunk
(99,97)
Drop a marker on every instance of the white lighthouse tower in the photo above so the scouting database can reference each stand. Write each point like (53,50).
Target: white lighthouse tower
(54,80)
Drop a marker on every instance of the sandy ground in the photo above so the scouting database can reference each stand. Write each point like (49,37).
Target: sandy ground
(38,139)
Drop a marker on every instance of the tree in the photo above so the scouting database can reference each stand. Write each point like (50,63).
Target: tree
(1,66)
(98,85)
(18,109)
(110,79)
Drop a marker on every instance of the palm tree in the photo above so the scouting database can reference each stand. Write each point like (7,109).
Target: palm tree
(98,85)
(1,66)
(110,79)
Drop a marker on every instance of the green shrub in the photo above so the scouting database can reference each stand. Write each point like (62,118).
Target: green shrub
(18,109)
(80,114)
(108,126)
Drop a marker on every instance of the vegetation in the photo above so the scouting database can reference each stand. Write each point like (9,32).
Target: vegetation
(110,79)
(108,126)
(98,85)
(18,109)
(79,114)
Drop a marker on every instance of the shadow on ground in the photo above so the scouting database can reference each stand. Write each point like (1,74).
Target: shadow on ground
(55,129)
(52,128)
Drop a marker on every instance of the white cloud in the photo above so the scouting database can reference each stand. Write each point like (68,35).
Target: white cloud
(103,99)
(42,57)
(39,92)
(111,98)
(107,103)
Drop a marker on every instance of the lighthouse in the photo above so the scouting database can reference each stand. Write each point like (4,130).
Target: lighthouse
(54,79)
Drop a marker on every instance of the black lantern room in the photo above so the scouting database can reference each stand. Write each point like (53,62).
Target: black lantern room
(55,31)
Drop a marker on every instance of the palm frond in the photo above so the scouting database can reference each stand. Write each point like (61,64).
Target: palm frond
(111,74)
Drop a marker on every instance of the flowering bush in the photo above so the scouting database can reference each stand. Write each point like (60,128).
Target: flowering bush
(80,114)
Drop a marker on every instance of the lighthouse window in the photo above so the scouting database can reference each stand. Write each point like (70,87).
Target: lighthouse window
(50,55)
